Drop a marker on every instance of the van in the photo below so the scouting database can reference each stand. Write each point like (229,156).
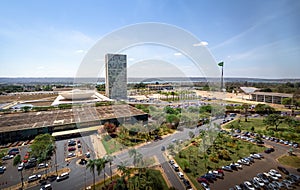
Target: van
(62,176)
(175,167)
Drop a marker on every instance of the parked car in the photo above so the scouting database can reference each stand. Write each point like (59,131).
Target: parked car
(186,183)
(237,187)
(227,168)
(248,185)
(205,186)
(202,179)
(71,148)
(276,173)
(70,155)
(264,178)
(13,151)
(283,170)
(259,181)
(3,167)
(7,157)
(171,162)
(180,175)
(175,167)
(21,166)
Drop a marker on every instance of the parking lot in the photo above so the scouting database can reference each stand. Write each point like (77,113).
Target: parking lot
(259,166)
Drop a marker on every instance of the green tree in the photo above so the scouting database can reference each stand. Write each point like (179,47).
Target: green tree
(100,165)
(287,101)
(42,147)
(109,159)
(245,107)
(17,161)
(273,120)
(264,109)
(92,165)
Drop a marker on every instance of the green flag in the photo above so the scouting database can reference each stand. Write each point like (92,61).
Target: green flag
(221,64)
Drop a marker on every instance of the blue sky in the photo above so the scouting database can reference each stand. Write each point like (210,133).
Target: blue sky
(50,38)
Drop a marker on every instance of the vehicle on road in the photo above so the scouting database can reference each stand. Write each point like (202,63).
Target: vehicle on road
(42,165)
(269,150)
(63,176)
(46,187)
(34,177)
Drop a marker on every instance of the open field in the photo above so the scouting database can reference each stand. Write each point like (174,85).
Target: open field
(293,161)
(23,97)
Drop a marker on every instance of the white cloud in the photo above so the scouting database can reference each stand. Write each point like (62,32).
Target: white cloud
(80,51)
(177,54)
(203,43)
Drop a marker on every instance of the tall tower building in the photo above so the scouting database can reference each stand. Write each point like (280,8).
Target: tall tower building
(116,76)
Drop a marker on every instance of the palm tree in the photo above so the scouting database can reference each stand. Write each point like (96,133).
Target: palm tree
(17,161)
(109,159)
(125,172)
(100,165)
(91,165)
(245,107)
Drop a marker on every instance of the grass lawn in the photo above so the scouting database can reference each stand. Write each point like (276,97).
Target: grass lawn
(100,184)
(259,127)
(111,145)
(293,161)
(156,173)
(199,163)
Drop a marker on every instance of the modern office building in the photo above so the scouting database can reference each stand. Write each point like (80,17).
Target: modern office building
(269,97)
(116,76)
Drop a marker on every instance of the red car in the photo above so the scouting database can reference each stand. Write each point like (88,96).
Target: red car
(202,179)
(71,149)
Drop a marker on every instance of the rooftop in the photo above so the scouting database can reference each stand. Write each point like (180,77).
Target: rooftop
(20,121)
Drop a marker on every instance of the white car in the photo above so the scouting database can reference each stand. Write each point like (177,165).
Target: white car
(3,167)
(275,172)
(43,165)
(239,166)
(62,176)
(205,186)
(34,178)
(21,166)
(259,181)
(273,177)
(249,185)
(180,175)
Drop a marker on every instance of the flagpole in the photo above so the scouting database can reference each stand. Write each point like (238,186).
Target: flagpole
(222,79)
